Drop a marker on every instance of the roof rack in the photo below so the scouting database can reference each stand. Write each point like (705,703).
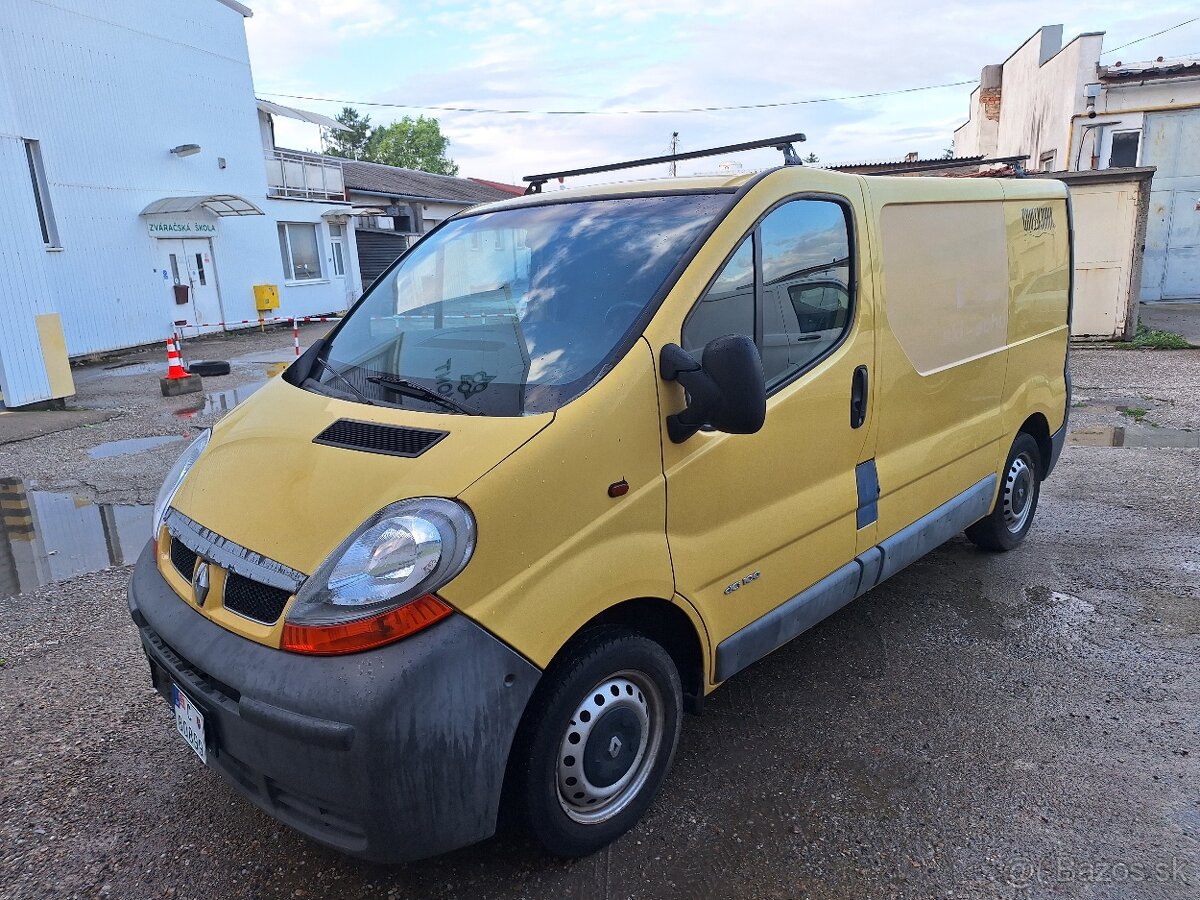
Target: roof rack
(783,144)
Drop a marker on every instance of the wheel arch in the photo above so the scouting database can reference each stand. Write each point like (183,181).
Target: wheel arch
(1038,428)
(668,625)
(660,620)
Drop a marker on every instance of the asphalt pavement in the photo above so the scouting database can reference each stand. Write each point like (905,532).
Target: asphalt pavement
(1015,725)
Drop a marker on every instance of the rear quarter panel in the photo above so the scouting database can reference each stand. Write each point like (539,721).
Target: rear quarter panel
(1038,233)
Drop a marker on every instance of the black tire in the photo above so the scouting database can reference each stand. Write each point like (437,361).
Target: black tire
(1006,526)
(209,367)
(622,752)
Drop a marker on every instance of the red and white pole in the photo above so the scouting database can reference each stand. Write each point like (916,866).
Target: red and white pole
(296,334)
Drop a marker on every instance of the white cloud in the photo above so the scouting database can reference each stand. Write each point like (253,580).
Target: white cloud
(542,54)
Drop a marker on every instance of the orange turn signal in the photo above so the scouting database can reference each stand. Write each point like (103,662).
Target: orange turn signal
(364,634)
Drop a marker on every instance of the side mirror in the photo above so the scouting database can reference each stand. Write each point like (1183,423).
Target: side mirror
(725,390)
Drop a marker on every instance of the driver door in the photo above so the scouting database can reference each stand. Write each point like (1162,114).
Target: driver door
(753,520)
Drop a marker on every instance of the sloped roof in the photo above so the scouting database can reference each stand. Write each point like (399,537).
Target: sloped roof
(367,176)
(1183,67)
(501,186)
(866,167)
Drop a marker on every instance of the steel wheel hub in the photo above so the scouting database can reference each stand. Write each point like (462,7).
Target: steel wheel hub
(609,747)
(1019,486)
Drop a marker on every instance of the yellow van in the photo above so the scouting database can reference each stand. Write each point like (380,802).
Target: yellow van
(576,459)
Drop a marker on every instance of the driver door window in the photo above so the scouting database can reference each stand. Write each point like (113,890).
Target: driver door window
(727,307)
(801,272)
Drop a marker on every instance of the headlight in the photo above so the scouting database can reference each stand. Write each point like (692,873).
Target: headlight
(378,585)
(175,477)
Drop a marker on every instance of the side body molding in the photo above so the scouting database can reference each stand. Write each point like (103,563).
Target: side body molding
(793,617)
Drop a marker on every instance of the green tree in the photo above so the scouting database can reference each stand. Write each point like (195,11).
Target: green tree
(812,159)
(412,144)
(351,144)
(948,153)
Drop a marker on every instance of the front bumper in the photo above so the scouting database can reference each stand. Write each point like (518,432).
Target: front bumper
(390,755)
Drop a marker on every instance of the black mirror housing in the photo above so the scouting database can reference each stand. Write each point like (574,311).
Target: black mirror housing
(727,390)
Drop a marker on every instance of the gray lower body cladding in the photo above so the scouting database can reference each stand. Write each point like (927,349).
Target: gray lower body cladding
(390,755)
(854,579)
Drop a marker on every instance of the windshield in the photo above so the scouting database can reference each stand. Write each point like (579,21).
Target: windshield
(512,312)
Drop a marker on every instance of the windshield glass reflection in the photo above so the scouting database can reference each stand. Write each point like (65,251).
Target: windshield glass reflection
(513,312)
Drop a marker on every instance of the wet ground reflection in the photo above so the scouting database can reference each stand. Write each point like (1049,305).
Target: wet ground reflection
(1120,436)
(221,401)
(47,537)
(131,446)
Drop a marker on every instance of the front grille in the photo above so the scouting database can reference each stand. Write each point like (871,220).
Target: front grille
(371,437)
(183,558)
(256,601)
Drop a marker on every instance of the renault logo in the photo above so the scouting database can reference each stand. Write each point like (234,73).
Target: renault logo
(614,746)
(200,583)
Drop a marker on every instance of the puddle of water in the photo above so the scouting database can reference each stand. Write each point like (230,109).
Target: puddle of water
(287,355)
(1121,436)
(221,401)
(121,370)
(47,537)
(131,446)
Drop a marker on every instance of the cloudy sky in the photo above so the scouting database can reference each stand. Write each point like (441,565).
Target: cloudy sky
(612,59)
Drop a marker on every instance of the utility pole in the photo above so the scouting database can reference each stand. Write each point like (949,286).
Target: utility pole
(674,150)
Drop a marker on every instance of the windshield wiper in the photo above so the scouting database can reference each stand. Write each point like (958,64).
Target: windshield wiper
(347,382)
(415,389)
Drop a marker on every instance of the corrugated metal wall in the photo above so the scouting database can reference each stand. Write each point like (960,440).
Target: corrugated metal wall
(376,251)
(108,87)
(1172,145)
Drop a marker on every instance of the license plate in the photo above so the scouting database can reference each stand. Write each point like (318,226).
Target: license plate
(189,721)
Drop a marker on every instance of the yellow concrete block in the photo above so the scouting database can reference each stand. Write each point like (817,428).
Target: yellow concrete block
(54,355)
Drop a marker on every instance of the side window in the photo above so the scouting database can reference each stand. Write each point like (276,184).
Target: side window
(727,307)
(806,285)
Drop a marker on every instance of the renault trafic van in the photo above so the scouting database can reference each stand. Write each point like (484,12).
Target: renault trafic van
(575,460)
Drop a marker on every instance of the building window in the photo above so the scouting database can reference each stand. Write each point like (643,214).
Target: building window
(1124,151)
(1047,160)
(300,251)
(41,194)
(337,253)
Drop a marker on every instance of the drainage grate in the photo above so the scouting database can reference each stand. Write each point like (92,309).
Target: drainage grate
(372,437)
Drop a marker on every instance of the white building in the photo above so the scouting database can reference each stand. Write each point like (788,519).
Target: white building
(135,190)
(1065,110)
(394,206)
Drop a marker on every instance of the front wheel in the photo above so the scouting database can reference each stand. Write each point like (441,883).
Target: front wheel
(597,741)
(1009,522)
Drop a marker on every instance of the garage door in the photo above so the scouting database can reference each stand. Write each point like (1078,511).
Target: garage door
(1171,270)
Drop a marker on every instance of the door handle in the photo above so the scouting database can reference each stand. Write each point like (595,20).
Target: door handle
(858,397)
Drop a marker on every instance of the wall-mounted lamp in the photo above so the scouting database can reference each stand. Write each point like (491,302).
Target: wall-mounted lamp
(1091,92)
(186,150)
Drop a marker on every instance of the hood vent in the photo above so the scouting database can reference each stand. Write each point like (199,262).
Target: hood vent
(371,437)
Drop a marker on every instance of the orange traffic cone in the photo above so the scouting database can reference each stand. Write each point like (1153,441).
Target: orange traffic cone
(174,362)
(177,381)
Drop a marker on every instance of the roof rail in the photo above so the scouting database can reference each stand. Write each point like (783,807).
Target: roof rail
(784,144)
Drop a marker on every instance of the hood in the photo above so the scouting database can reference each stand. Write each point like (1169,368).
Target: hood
(264,484)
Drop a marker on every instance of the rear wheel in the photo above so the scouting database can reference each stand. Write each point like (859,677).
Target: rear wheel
(1008,523)
(597,741)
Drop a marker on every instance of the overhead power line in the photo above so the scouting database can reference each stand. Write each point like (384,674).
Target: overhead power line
(616,112)
(1147,37)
